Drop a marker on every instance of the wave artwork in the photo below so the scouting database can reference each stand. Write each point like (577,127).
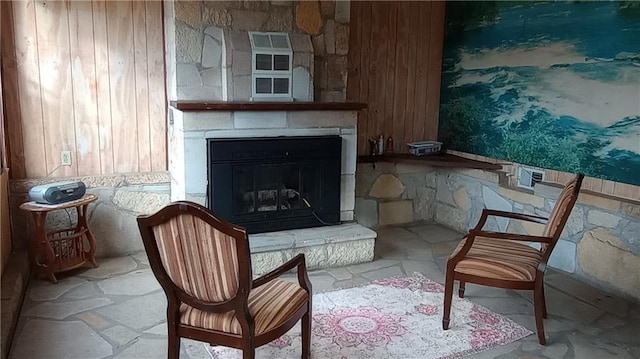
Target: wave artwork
(550,84)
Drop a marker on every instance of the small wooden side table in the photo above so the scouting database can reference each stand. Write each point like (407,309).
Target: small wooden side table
(64,249)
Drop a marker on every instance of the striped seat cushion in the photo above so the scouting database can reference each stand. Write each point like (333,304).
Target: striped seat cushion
(270,305)
(499,259)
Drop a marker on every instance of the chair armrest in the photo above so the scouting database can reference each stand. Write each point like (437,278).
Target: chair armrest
(297,261)
(486,213)
(511,236)
(514,215)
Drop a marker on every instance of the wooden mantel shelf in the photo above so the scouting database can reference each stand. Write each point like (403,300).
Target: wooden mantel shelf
(438,160)
(266,106)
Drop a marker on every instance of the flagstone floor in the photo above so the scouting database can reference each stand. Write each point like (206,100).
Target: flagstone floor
(118,310)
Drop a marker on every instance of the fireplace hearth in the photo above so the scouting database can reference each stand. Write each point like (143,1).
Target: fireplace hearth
(275,183)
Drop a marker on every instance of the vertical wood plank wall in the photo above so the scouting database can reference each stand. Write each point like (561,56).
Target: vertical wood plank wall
(85,77)
(5,231)
(395,60)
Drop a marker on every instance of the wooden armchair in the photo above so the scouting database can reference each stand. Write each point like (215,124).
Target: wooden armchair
(502,259)
(204,266)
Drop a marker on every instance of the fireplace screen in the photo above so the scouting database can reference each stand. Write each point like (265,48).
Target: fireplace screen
(273,187)
(270,184)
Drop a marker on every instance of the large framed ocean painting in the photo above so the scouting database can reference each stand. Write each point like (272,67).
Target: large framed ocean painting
(552,84)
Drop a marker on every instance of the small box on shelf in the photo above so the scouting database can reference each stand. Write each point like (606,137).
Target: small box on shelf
(422,148)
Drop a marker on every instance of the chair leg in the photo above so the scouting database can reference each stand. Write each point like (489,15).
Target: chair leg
(173,315)
(306,334)
(448,296)
(544,302)
(174,345)
(461,289)
(538,304)
(249,353)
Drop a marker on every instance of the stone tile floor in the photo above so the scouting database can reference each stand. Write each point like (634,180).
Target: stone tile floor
(118,310)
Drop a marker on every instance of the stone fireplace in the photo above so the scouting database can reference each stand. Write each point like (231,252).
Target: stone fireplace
(194,124)
(191,129)
(209,64)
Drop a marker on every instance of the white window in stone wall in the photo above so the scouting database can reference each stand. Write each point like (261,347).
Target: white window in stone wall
(271,61)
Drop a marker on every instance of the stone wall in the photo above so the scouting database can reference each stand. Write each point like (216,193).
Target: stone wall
(208,56)
(112,218)
(600,243)
(389,193)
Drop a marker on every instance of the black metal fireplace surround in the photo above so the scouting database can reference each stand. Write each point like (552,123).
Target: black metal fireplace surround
(270,184)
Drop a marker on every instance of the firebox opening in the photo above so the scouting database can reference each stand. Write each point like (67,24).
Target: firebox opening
(271,184)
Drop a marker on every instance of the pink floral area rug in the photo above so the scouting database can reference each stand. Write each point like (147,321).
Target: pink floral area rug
(391,318)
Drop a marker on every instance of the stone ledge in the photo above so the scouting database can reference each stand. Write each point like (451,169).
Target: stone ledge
(323,247)
(520,196)
(114,180)
(307,237)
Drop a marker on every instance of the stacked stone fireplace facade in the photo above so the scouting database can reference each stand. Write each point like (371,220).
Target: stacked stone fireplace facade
(209,60)
(208,51)
(189,132)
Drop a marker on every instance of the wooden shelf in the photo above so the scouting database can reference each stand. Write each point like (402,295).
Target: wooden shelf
(266,106)
(438,160)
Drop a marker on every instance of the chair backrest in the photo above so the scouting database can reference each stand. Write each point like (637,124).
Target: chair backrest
(561,211)
(191,249)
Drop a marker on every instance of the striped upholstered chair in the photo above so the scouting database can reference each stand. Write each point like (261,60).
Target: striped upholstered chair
(204,266)
(504,259)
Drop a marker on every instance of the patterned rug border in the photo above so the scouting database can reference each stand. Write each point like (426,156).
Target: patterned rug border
(372,281)
(468,352)
(437,288)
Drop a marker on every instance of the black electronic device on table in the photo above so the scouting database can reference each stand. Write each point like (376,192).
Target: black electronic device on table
(57,192)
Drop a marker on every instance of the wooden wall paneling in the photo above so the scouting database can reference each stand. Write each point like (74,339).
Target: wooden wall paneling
(434,69)
(422,76)
(141,85)
(353,57)
(353,67)
(56,86)
(390,81)
(13,123)
(3,137)
(5,229)
(627,191)
(87,77)
(398,98)
(401,59)
(551,176)
(5,223)
(377,67)
(103,91)
(564,177)
(608,187)
(29,94)
(85,103)
(592,184)
(122,85)
(411,15)
(364,119)
(156,79)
